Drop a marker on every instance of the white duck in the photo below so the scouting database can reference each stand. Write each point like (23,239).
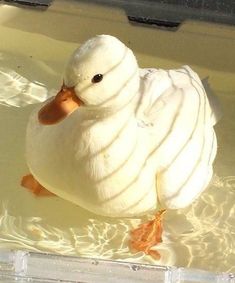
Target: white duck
(121,141)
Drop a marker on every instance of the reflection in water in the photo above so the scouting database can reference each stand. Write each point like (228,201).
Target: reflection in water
(201,236)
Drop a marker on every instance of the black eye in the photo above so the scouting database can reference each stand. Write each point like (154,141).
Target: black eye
(97,78)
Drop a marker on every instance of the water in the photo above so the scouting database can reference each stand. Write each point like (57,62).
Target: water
(200,236)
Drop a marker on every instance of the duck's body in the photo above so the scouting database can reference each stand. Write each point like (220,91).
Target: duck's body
(157,148)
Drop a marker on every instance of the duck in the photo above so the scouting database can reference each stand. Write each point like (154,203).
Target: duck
(123,141)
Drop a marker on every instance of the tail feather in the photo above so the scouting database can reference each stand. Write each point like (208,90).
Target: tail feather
(216,108)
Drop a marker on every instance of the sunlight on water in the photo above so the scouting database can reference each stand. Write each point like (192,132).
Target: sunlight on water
(106,238)
(200,236)
(18,91)
(205,232)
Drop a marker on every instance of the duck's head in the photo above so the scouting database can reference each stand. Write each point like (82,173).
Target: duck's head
(102,73)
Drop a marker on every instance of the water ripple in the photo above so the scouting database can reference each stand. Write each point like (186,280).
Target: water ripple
(201,236)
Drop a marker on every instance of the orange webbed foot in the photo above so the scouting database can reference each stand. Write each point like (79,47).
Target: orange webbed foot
(30,183)
(148,235)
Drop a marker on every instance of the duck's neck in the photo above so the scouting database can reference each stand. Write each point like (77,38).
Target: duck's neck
(119,112)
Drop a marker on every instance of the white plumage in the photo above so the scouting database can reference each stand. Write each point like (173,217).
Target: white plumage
(143,138)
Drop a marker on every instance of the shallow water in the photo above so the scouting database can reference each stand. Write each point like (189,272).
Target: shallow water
(200,236)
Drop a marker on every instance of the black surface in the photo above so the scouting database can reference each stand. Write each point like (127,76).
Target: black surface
(172,12)
(40,3)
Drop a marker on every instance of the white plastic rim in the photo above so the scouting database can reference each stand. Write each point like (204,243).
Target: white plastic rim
(22,266)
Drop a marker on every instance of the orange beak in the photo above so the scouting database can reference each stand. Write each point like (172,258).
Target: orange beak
(63,104)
